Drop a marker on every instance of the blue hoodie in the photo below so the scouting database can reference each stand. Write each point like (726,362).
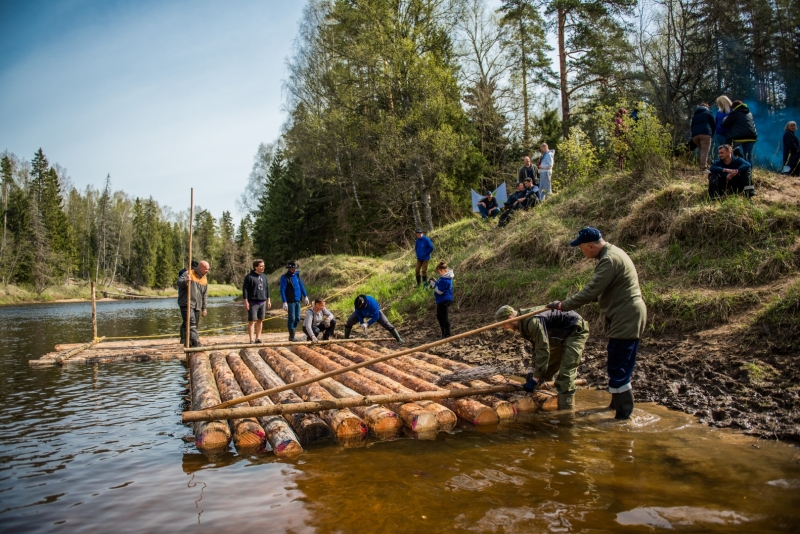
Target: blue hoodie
(423,247)
(443,290)
(371,312)
(292,288)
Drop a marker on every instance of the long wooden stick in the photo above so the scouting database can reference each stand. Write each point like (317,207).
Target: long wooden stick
(214,414)
(189,273)
(353,367)
(94,310)
(76,350)
(234,346)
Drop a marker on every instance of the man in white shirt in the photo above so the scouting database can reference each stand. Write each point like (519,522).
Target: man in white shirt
(546,171)
(318,321)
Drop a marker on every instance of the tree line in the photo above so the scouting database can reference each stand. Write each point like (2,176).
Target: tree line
(52,232)
(396,108)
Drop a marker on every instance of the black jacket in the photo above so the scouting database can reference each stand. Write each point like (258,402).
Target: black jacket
(516,195)
(791,149)
(740,125)
(490,204)
(703,122)
(255,287)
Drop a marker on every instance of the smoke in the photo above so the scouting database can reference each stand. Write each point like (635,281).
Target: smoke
(768,151)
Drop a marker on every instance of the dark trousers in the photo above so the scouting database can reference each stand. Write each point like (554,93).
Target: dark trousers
(383,321)
(719,185)
(621,361)
(326,333)
(494,212)
(443,317)
(194,318)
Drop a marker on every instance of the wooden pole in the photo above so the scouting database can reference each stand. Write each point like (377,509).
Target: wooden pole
(76,350)
(235,346)
(189,272)
(337,404)
(381,359)
(94,310)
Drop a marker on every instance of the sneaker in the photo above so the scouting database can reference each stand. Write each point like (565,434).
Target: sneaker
(257,341)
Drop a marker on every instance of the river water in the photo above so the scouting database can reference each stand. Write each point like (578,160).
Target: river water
(99,448)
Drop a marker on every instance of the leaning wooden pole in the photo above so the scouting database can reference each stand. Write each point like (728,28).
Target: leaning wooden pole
(381,359)
(77,350)
(237,346)
(337,404)
(189,277)
(94,310)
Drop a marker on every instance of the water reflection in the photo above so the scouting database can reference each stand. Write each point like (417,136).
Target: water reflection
(85,447)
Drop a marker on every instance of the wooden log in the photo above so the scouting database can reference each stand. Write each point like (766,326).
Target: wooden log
(468,409)
(431,373)
(343,422)
(280,436)
(382,421)
(212,436)
(445,417)
(236,346)
(247,433)
(212,414)
(309,427)
(118,359)
(69,354)
(411,414)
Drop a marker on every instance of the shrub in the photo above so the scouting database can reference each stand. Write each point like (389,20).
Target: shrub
(577,159)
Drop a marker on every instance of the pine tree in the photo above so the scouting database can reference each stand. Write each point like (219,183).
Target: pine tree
(8,180)
(38,175)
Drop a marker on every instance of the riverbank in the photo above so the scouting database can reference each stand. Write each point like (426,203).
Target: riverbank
(13,294)
(720,280)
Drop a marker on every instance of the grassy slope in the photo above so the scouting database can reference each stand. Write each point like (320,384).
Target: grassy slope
(701,264)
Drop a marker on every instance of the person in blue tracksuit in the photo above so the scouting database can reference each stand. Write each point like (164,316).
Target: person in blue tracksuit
(292,290)
(423,248)
(367,308)
(443,294)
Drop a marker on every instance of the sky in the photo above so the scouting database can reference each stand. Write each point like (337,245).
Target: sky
(162,95)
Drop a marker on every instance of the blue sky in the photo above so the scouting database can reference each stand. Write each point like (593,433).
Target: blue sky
(163,95)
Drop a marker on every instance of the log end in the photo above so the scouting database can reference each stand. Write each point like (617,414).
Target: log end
(390,424)
(249,437)
(524,404)
(550,405)
(287,448)
(213,438)
(487,416)
(425,421)
(505,411)
(351,427)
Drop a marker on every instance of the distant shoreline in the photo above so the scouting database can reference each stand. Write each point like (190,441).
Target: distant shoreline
(12,294)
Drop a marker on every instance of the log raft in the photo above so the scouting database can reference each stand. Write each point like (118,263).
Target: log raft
(210,436)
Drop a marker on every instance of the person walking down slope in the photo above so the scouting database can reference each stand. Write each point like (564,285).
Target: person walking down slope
(197,275)
(255,293)
(703,126)
(368,309)
(423,247)
(615,286)
(443,294)
(791,150)
(292,290)
(558,340)
(741,129)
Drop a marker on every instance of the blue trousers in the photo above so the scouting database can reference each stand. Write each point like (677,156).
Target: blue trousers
(621,361)
(747,149)
(294,315)
(485,213)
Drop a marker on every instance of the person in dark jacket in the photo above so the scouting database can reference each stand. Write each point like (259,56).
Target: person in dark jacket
(488,206)
(729,174)
(741,129)
(367,308)
(292,290)
(423,247)
(720,133)
(514,202)
(528,170)
(443,294)
(255,293)
(703,126)
(791,150)
(558,340)
(199,285)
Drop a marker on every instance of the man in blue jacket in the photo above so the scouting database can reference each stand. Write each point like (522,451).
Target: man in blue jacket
(368,308)
(703,126)
(729,174)
(423,248)
(292,290)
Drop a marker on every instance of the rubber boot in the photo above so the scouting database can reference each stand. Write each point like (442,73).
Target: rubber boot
(566,401)
(396,335)
(347,330)
(624,404)
(419,280)
(291,335)
(613,404)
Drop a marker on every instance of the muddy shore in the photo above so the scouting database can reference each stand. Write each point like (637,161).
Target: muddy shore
(719,377)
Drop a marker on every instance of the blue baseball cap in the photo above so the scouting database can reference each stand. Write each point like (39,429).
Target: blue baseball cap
(587,235)
(488,193)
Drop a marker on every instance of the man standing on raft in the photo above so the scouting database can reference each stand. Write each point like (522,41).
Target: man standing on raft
(615,286)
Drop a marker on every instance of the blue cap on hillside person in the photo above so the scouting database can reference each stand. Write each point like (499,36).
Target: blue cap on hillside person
(488,193)
(587,235)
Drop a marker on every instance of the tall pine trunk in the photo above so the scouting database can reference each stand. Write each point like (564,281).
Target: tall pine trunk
(562,65)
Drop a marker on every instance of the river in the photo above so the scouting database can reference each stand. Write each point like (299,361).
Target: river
(100,448)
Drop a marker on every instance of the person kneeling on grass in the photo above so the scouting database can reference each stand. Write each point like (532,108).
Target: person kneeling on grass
(255,292)
(319,320)
(443,293)
(367,308)
(558,340)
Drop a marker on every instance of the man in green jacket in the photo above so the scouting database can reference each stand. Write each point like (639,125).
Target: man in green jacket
(615,286)
(558,339)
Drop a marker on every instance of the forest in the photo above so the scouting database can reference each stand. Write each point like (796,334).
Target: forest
(397,108)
